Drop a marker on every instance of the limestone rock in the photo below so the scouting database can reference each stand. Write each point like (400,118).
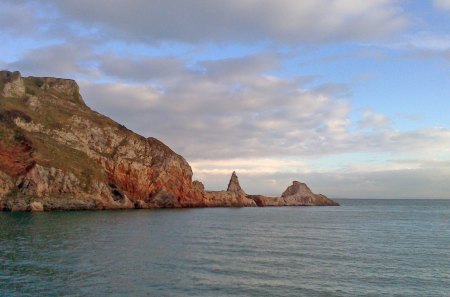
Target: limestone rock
(33,103)
(299,194)
(11,84)
(297,188)
(198,186)
(36,207)
(233,185)
(139,204)
(261,200)
(234,196)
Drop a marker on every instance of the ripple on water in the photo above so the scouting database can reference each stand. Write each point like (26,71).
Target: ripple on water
(363,248)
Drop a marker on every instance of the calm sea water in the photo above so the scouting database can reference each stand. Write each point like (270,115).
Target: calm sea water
(363,248)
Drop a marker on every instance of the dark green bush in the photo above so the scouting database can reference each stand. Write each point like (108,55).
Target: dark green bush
(30,91)
(39,82)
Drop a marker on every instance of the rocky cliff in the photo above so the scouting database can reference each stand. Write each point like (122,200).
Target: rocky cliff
(58,154)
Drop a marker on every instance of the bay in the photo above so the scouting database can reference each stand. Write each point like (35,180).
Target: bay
(362,248)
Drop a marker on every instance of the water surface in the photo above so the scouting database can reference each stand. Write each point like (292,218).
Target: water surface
(362,248)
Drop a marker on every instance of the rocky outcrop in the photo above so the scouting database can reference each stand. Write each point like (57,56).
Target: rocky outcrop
(233,185)
(58,154)
(11,84)
(36,207)
(298,194)
(262,201)
(234,196)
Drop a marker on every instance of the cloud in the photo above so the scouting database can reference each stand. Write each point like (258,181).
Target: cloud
(232,107)
(245,21)
(373,120)
(395,182)
(227,108)
(120,99)
(16,18)
(401,183)
(253,166)
(237,112)
(57,60)
(442,4)
(143,69)
(421,43)
(429,41)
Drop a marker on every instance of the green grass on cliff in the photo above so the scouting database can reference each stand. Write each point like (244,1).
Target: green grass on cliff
(51,153)
(53,113)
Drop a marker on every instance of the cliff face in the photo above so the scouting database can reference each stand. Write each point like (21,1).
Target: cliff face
(56,153)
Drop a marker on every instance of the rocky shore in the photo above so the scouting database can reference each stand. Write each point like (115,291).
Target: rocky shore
(58,154)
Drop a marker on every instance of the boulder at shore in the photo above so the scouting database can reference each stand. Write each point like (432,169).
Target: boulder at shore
(58,154)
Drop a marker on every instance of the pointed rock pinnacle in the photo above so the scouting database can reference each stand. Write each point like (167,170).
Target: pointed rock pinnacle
(233,185)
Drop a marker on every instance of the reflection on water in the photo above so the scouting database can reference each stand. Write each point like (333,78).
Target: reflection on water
(363,248)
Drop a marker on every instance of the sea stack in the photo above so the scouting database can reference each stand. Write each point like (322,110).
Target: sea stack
(234,196)
(233,185)
(299,194)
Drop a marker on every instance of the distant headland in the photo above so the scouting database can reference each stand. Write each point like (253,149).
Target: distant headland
(58,154)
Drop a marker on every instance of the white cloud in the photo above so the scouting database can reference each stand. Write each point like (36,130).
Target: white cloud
(124,98)
(246,114)
(235,111)
(253,166)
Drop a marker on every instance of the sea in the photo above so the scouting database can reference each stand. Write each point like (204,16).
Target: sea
(362,248)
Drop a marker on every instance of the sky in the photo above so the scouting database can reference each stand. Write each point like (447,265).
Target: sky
(351,97)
